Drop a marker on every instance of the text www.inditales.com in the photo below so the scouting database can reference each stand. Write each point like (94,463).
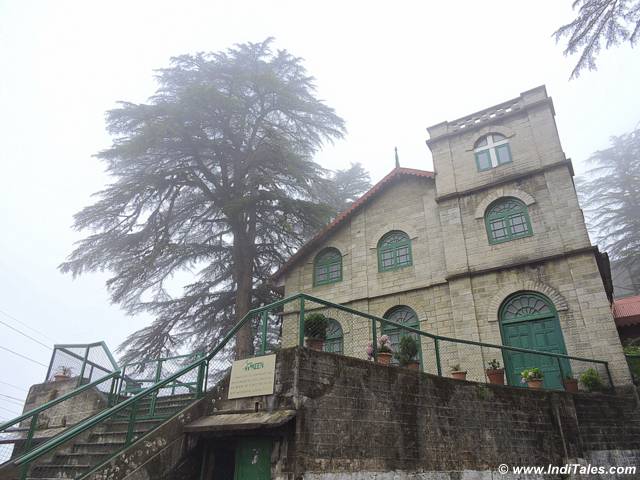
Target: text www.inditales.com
(568,469)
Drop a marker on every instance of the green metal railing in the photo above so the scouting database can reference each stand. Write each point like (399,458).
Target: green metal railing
(281,324)
(84,362)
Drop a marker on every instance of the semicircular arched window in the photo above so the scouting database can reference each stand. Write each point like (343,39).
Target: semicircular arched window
(406,317)
(334,341)
(507,219)
(394,251)
(327,267)
(491,151)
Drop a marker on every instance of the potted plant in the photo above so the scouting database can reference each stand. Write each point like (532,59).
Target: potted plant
(570,384)
(591,380)
(384,350)
(533,377)
(458,373)
(315,330)
(63,373)
(407,353)
(495,373)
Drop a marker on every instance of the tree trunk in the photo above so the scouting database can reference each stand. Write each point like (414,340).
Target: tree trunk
(243,262)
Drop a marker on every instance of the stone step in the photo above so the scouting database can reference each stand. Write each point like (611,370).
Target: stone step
(78,458)
(51,470)
(91,448)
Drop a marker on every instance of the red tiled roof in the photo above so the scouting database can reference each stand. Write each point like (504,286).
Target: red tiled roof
(626,311)
(344,216)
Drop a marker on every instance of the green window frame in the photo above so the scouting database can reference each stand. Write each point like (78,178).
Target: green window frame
(394,251)
(507,219)
(334,342)
(491,151)
(327,267)
(407,317)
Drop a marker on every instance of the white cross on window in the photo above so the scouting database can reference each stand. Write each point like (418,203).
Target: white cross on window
(490,142)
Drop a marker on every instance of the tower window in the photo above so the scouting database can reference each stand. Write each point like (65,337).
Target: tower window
(507,219)
(491,151)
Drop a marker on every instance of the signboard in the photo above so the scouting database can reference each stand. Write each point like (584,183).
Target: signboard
(252,377)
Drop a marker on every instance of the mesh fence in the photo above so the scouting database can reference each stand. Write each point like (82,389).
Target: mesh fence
(336,329)
(138,376)
(634,367)
(85,363)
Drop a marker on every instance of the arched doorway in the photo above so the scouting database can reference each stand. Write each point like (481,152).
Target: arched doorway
(530,320)
(407,317)
(334,342)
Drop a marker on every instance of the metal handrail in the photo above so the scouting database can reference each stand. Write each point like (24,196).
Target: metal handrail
(202,363)
(448,339)
(105,414)
(55,401)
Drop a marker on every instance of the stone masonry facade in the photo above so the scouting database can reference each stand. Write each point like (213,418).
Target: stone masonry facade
(458,280)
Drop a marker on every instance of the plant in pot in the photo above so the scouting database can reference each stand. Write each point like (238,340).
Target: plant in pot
(458,373)
(495,372)
(315,330)
(533,377)
(407,354)
(570,384)
(591,380)
(63,373)
(384,350)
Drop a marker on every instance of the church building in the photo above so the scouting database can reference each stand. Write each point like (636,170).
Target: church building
(490,247)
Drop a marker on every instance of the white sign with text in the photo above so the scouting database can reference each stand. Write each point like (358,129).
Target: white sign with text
(252,377)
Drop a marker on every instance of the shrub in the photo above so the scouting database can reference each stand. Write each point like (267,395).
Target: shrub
(315,326)
(591,380)
(530,374)
(494,364)
(407,350)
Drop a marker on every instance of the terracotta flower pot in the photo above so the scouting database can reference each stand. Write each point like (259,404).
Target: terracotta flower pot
(459,375)
(570,385)
(316,344)
(496,376)
(534,384)
(413,366)
(60,377)
(384,358)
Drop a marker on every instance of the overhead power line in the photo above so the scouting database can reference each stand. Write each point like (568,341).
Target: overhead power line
(48,347)
(13,386)
(39,332)
(10,411)
(22,356)
(12,398)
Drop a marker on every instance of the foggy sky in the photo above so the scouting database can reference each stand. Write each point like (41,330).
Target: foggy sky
(390,70)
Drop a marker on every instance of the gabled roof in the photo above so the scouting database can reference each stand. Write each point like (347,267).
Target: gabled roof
(626,311)
(394,175)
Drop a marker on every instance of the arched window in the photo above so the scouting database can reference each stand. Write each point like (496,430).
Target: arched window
(394,251)
(327,267)
(334,341)
(507,219)
(407,317)
(491,151)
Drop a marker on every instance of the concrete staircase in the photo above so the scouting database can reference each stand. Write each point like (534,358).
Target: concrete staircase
(103,442)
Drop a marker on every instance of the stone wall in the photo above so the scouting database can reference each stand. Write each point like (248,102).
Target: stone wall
(356,417)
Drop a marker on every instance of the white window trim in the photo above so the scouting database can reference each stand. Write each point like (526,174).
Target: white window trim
(491,146)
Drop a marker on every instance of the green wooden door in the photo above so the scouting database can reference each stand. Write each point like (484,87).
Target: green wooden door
(253,459)
(529,320)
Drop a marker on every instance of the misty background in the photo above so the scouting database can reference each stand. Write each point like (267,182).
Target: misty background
(389,70)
